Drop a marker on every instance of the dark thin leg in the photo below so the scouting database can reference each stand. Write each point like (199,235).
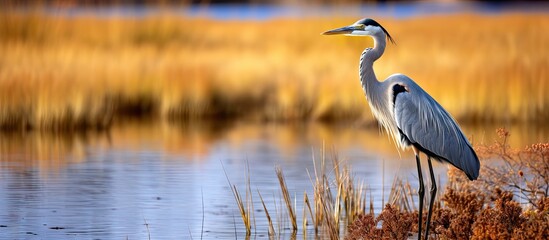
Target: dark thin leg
(433,192)
(421,194)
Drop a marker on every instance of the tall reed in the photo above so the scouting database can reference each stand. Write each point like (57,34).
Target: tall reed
(245,206)
(287,199)
(84,71)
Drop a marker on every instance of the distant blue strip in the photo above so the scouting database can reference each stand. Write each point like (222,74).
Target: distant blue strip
(263,12)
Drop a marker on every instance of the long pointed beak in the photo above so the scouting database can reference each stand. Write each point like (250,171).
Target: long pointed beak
(343,30)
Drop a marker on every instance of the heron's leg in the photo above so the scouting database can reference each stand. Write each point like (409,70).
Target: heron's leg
(421,194)
(433,192)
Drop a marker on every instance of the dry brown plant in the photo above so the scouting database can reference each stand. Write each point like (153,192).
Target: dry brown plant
(395,224)
(508,201)
(523,172)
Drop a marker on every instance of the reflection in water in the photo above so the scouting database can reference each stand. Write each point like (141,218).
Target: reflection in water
(110,184)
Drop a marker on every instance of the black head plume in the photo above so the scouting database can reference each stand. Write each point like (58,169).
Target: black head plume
(371,22)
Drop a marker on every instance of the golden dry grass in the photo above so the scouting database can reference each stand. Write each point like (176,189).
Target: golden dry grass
(81,72)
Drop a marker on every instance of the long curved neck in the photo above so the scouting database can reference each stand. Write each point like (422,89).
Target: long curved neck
(367,59)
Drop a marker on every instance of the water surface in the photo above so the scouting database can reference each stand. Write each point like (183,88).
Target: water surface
(168,180)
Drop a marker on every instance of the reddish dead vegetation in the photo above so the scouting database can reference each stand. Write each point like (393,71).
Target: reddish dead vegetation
(509,201)
(395,224)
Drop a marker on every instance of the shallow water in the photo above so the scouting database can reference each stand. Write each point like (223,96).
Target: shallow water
(168,180)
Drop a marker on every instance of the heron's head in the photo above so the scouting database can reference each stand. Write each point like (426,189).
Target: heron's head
(363,27)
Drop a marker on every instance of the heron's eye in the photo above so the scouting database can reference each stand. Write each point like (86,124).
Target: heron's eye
(360,26)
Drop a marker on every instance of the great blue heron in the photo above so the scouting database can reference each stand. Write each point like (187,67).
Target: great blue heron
(412,117)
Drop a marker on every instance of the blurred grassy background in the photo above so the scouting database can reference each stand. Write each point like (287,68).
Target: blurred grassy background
(81,72)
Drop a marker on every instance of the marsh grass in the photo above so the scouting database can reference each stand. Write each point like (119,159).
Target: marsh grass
(508,201)
(287,199)
(81,72)
(245,207)
(272,231)
(337,200)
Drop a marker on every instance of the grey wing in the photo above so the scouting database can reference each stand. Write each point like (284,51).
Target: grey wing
(423,123)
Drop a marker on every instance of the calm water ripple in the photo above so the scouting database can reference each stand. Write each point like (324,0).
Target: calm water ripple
(164,180)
